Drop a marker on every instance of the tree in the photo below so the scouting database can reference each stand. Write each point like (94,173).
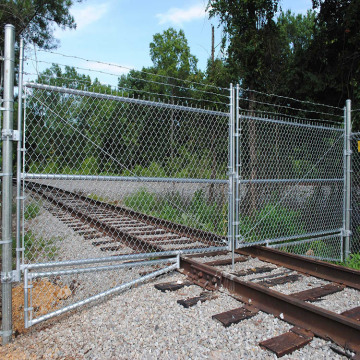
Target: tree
(173,66)
(251,35)
(34,19)
(334,57)
(171,55)
(296,36)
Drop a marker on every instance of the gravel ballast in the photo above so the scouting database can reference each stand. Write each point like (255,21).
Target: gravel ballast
(144,323)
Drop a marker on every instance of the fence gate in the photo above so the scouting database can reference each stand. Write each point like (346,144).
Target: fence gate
(288,178)
(115,189)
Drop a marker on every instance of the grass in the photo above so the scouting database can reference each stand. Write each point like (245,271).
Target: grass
(195,212)
(352,262)
(32,210)
(36,246)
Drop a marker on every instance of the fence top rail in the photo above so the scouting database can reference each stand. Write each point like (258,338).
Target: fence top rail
(134,178)
(123,99)
(292,123)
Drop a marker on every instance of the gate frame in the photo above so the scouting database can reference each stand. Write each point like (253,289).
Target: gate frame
(235,181)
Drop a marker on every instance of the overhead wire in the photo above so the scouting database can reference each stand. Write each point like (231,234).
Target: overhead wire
(292,99)
(291,116)
(128,68)
(112,74)
(287,107)
(181,98)
(195,89)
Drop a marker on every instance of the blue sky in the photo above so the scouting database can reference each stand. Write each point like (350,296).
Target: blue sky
(120,31)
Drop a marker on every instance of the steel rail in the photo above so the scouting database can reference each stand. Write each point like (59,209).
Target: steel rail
(323,323)
(182,230)
(317,268)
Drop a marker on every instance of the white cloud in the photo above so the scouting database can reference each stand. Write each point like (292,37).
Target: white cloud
(89,14)
(178,16)
(110,68)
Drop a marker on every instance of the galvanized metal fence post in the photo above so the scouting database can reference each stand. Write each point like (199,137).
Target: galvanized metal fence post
(19,248)
(347,180)
(237,168)
(231,171)
(7,138)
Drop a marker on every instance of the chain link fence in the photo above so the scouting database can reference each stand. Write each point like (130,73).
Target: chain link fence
(153,173)
(290,187)
(355,194)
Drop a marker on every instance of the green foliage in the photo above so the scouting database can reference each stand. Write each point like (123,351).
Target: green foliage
(154,169)
(197,212)
(35,19)
(270,222)
(36,246)
(251,35)
(32,210)
(171,55)
(352,262)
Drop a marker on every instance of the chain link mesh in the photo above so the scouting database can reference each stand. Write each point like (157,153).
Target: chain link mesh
(355,194)
(290,183)
(126,175)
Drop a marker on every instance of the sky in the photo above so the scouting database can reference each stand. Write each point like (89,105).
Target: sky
(120,31)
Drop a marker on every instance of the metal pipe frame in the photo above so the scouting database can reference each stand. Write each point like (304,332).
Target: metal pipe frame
(122,287)
(237,140)
(7,169)
(300,236)
(231,172)
(281,122)
(28,176)
(274,246)
(19,198)
(124,99)
(101,268)
(119,258)
(347,181)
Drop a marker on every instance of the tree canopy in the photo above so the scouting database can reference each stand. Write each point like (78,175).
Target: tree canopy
(34,19)
(173,66)
(310,57)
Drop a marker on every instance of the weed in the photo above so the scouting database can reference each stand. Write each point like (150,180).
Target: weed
(32,210)
(36,247)
(352,262)
(197,212)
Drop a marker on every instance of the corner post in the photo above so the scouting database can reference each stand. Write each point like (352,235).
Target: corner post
(7,151)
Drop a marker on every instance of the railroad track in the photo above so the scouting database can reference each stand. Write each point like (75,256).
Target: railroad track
(93,219)
(256,294)
(252,286)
